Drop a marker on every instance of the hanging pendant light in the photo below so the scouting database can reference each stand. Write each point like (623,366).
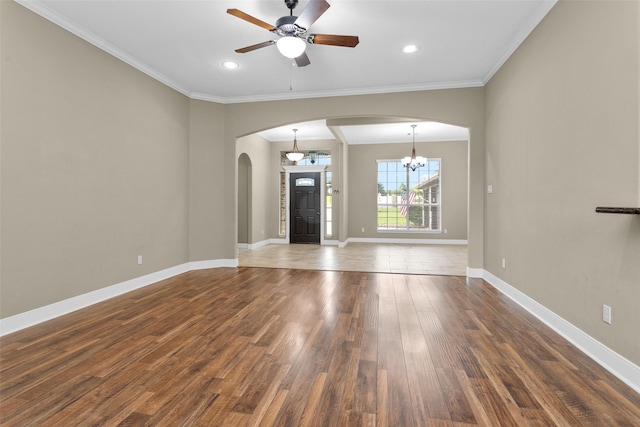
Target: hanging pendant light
(414,162)
(313,157)
(295,155)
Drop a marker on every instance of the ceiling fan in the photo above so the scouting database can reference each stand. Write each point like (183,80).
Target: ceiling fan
(293,31)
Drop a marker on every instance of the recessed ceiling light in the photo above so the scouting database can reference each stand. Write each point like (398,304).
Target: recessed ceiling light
(410,48)
(230,65)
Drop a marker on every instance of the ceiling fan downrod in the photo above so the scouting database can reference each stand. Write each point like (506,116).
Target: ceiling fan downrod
(291,4)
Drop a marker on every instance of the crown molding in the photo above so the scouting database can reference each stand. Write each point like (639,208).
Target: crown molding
(339,92)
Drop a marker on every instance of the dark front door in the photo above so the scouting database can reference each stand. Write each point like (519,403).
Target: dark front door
(305,207)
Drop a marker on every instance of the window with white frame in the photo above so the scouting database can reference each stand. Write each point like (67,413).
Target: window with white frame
(409,200)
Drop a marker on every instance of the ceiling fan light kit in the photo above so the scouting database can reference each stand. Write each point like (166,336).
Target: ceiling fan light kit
(291,46)
(293,31)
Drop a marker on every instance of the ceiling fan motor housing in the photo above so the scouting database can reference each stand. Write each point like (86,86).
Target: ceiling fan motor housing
(286,26)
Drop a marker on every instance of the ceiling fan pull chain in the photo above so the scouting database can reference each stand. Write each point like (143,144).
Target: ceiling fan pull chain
(291,74)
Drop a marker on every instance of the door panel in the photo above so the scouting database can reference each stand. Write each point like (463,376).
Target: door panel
(305,213)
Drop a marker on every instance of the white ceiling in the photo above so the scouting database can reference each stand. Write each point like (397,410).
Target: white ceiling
(182,43)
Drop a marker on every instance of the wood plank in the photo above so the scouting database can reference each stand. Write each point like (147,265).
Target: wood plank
(309,413)
(382,399)
(260,346)
(366,388)
(274,408)
(331,401)
(391,359)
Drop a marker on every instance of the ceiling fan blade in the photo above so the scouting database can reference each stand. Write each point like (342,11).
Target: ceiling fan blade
(302,60)
(311,13)
(255,46)
(334,40)
(240,14)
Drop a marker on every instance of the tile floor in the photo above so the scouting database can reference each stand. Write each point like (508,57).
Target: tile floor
(448,260)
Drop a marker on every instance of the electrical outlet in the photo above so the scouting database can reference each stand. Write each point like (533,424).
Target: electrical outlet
(363,229)
(445,231)
(139,259)
(606,314)
(504,263)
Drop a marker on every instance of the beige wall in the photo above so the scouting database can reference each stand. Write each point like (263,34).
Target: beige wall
(362,190)
(244,198)
(95,167)
(206,180)
(563,138)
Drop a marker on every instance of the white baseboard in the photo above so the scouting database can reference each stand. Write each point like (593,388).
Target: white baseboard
(406,241)
(619,366)
(279,241)
(51,311)
(360,240)
(268,242)
(476,273)
(402,241)
(216,263)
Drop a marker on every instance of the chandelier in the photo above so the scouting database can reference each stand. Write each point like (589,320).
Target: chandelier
(414,162)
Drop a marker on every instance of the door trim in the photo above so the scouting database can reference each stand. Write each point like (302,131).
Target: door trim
(323,199)
(308,214)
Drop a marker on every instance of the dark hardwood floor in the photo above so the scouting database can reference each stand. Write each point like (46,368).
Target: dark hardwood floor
(258,346)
